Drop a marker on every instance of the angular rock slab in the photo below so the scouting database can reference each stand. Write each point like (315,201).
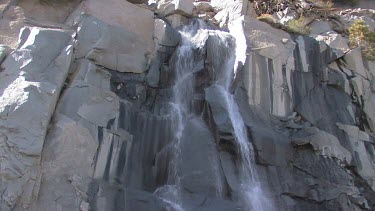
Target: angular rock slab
(228,11)
(268,67)
(72,145)
(170,7)
(66,165)
(88,99)
(324,143)
(111,46)
(362,151)
(115,34)
(30,85)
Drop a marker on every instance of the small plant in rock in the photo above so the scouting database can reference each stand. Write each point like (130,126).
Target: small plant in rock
(297,26)
(361,36)
(267,18)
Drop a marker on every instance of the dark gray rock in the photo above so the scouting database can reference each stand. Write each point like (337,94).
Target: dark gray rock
(113,47)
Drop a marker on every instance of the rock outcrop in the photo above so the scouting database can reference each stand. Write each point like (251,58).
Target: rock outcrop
(88,119)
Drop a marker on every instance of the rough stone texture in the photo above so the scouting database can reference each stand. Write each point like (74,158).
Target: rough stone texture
(112,47)
(118,42)
(307,102)
(30,88)
(170,7)
(228,11)
(69,149)
(268,67)
(166,39)
(54,12)
(347,17)
(10,24)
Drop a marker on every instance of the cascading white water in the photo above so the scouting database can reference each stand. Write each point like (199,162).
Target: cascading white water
(252,194)
(225,51)
(194,38)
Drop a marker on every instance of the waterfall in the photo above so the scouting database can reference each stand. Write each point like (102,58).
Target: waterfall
(252,193)
(251,190)
(194,38)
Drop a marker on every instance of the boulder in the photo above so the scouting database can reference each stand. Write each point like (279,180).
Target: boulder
(347,17)
(30,86)
(203,7)
(118,13)
(165,35)
(112,39)
(215,96)
(354,62)
(54,12)
(363,152)
(338,78)
(112,47)
(228,11)
(319,27)
(177,20)
(334,41)
(90,94)
(170,7)
(324,143)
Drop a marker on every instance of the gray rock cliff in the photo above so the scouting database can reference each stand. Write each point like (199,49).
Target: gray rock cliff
(184,106)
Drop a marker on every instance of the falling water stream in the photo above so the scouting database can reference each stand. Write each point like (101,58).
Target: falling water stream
(194,37)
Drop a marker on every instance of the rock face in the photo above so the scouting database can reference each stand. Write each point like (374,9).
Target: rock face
(89,121)
(30,88)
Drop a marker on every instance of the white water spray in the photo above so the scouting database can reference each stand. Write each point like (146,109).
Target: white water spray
(252,193)
(194,38)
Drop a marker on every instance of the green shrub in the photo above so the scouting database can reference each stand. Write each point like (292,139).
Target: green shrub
(361,36)
(297,26)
